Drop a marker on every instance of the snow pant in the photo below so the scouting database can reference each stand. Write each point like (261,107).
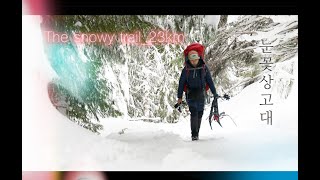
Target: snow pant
(196,108)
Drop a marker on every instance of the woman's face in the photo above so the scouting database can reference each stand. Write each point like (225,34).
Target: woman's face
(193,61)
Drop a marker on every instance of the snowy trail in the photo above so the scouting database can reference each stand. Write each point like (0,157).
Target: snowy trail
(162,147)
(158,149)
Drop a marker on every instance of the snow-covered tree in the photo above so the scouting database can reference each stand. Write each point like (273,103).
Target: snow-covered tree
(141,81)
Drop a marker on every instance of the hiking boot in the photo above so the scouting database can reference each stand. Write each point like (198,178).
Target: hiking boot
(194,138)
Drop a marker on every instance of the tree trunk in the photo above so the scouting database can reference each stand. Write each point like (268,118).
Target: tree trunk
(223,21)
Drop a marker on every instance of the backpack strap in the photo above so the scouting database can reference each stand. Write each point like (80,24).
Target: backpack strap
(203,75)
(187,72)
(185,87)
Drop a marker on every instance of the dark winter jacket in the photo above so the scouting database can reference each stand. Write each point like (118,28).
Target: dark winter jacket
(196,80)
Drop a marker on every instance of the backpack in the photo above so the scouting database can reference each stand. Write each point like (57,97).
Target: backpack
(200,49)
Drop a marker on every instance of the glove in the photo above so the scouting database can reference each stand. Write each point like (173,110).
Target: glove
(226,96)
(216,117)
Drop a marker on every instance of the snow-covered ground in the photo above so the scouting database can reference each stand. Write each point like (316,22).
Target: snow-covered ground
(52,142)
